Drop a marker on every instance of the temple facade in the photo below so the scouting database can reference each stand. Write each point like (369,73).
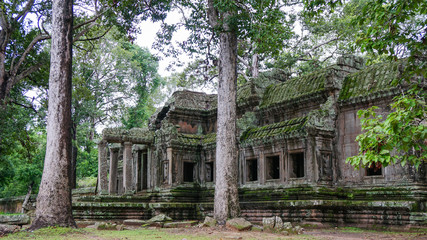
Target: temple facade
(300,131)
(294,137)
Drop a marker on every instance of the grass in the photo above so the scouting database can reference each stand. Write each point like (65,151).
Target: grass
(54,233)
(59,233)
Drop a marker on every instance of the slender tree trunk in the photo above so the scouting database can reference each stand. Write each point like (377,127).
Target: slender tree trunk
(255,65)
(27,197)
(4,38)
(226,203)
(54,198)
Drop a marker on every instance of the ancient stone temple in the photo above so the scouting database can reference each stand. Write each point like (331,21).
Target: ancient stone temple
(294,137)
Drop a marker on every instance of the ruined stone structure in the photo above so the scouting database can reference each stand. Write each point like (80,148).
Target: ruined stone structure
(294,137)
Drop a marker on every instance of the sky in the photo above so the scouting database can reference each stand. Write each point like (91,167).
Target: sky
(148,36)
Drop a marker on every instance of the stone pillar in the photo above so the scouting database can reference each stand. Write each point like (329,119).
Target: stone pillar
(169,157)
(114,155)
(102,167)
(127,168)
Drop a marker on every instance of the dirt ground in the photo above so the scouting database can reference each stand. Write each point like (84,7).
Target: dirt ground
(323,234)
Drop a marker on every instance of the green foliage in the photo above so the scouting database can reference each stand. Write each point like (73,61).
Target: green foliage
(144,72)
(262,28)
(401,137)
(86,182)
(22,150)
(112,84)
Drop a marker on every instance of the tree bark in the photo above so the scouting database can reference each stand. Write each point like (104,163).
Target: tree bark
(54,198)
(74,152)
(255,65)
(226,202)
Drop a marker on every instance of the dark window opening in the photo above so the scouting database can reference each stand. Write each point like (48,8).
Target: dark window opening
(209,171)
(251,170)
(375,169)
(297,165)
(188,172)
(273,167)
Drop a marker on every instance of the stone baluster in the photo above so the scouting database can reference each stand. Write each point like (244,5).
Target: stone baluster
(102,167)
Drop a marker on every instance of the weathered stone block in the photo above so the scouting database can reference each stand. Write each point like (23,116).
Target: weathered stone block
(105,226)
(257,228)
(180,224)
(268,223)
(209,222)
(160,218)
(273,224)
(20,219)
(239,224)
(133,222)
(6,229)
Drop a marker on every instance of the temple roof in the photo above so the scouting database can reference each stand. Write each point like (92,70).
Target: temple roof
(194,140)
(294,88)
(134,135)
(275,129)
(193,100)
(372,82)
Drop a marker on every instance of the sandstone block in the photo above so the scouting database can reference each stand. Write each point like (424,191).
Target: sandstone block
(19,219)
(209,222)
(239,224)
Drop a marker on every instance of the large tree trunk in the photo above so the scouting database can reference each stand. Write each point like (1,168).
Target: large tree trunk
(226,203)
(54,198)
(74,152)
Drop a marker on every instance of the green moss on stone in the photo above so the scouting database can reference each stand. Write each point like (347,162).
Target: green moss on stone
(373,81)
(296,87)
(280,128)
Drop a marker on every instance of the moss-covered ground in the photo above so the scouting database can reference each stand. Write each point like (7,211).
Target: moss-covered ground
(210,233)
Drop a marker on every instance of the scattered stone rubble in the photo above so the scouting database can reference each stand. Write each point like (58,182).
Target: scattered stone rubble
(12,223)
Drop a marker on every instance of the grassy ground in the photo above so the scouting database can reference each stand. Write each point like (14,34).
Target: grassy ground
(208,234)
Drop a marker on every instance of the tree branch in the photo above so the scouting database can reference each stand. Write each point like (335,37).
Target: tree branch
(37,39)
(212,14)
(89,21)
(24,12)
(321,44)
(26,73)
(25,106)
(77,39)
(243,61)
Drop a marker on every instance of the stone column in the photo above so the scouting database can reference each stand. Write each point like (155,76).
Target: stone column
(102,167)
(127,168)
(169,157)
(114,155)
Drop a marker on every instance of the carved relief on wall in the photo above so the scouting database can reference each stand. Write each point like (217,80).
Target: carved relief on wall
(165,169)
(326,166)
(209,172)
